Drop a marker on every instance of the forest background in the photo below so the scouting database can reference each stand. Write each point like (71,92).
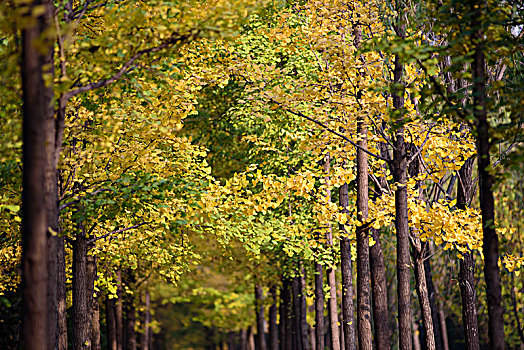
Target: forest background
(261,174)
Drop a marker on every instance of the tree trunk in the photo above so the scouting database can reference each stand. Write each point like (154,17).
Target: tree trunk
(243,339)
(319,308)
(401,200)
(61,295)
(119,323)
(96,325)
(130,338)
(348,324)
(467,265)
(432,293)
(259,310)
(442,319)
(380,298)
(38,286)
(273,328)
(287,341)
(423,296)
(416,337)
(110,324)
(82,293)
(304,326)
(490,244)
(330,272)
(363,280)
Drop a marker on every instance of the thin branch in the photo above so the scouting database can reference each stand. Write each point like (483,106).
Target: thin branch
(419,150)
(334,132)
(117,232)
(127,67)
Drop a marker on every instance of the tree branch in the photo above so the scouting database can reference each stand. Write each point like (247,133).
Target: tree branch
(117,232)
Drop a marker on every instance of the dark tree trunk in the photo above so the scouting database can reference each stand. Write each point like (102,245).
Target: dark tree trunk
(243,339)
(319,308)
(61,295)
(119,323)
(110,324)
(297,338)
(380,298)
(287,341)
(130,310)
(82,293)
(282,311)
(467,265)
(38,284)
(96,325)
(490,244)
(259,310)
(348,324)
(273,327)
(304,326)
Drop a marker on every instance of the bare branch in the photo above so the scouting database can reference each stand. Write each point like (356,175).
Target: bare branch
(117,232)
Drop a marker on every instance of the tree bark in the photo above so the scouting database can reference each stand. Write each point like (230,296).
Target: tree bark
(287,341)
(363,280)
(330,272)
(490,244)
(401,199)
(348,324)
(442,320)
(61,295)
(423,296)
(380,298)
(432,293)
(319,308)
(304,326)
(259,310)
(82,293)
(96,325)
(38,117)
(119,323)
(273,327)
(130,338)
(467,265)
(110,324)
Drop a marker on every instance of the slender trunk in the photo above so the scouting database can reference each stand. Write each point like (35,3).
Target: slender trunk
(432,293)
(297,336)
(147,323)
(251,339)
(287,341)
(243,339)
(259,310)
(119,323)
(490,244)
(231,343)
(61,295)
(416,337)
(467,266)
(130,338)
(422,291)
(273,328)
(348,324)
(319,308)
(401,200)
(96,325)
(37,286)
(442,320)
(363,280)
(282,312)
(330,272)
(304,326)
(110,324)
(380,298)
(82,293)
